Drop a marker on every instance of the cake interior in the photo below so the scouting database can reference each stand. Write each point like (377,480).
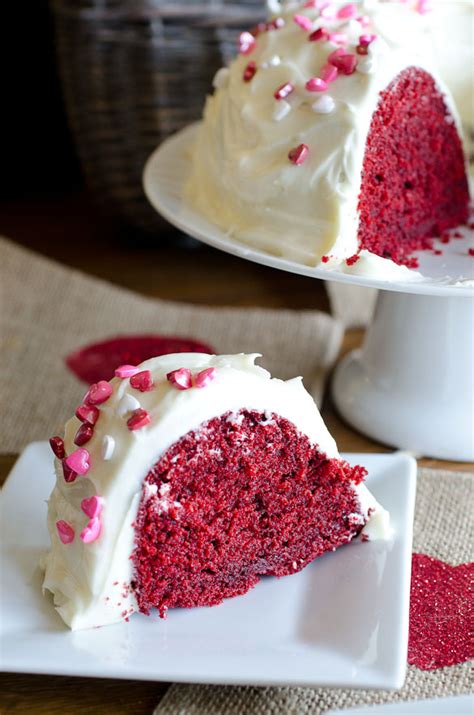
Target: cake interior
(414,185)
(244,496)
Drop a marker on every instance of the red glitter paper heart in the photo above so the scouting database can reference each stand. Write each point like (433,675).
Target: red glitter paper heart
(98,361)
(440,611)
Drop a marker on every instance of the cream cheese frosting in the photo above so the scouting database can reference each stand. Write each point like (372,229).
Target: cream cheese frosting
(241,177)
(91,581)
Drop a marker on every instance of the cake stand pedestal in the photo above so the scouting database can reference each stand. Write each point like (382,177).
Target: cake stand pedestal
(412,383)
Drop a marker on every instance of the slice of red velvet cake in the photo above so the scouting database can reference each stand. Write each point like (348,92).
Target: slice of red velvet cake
(185,480)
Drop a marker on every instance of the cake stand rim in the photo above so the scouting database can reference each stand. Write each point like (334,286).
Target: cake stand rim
(158,196)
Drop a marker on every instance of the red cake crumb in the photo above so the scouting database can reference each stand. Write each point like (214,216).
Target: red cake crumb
(352,259)
(238,499)
(414,184)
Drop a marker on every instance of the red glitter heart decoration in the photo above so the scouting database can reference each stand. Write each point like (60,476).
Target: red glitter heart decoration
(440,612)
(98,361)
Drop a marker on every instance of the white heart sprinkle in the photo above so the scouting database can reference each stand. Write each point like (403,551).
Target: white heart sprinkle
(323,105)
(128,403)
(108,446)
(366,65)
(282,108)
(221,78)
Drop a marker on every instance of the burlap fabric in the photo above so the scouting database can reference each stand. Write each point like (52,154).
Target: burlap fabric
(444,529)
(47,311)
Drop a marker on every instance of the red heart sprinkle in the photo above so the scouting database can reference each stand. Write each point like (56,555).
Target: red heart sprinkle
(181,379)
(140,418)
(83,434)
(440,612)
(57,445)
(65,532)
(88,413)
(98,361)
(345,63)
(142,381)
(69,474)
(299,154)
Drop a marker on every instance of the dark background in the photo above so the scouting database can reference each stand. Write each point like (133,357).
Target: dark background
(38,157)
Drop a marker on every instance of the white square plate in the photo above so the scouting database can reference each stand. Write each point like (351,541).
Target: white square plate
(343,621)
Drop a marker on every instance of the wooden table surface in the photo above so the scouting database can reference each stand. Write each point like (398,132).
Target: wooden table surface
(70,230)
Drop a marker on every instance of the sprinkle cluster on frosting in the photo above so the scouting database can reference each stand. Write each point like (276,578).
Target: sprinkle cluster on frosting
(345,32)
(78,463)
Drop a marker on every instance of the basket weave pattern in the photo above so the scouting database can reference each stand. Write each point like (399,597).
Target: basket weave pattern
(134,72)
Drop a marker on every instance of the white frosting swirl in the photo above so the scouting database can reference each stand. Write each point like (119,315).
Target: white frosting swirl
(242,179)
(90,582)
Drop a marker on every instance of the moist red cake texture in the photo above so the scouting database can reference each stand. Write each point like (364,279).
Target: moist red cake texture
(242,497)
(414,183)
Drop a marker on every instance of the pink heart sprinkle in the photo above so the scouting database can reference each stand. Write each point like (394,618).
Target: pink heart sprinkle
(142,381)
(83,434)
(347,12)
(284,90)
(98,393)
(92,531)
(139,418)
(320,34)
(181,378)
(366,40)
(303,22)
(65,532)
(92,507)
(329,73)
(336,53)
(126,371)
(315,84)
(345,63)
(57,445)
(79,461)
(88,413)
(69,474)
(205,377)
(246,43)
(339,38)
(299,154)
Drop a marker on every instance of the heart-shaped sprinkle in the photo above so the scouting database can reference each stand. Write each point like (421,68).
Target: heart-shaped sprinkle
(303,22)
(329,73)
(57,445)
(92,531)
(98,393)
(142,381)
(320,34)
(92,507)
(127,404)
(345,63)
(140,418)
(83,434)
(126,371)
(88,413)
(205,377)
(316,84)
(65,532)
(366,40)
(108,447)
(79,461)
(323,105)
(246,43)
(347,11)
(299,154)
(69,474)
(181,379)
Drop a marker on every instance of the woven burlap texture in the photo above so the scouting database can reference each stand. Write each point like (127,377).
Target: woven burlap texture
(47,311)
(444,529)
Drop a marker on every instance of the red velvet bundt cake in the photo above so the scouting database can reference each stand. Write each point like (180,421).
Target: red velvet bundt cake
(329,140)
(184,480)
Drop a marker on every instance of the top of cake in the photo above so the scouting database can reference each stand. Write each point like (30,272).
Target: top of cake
(278,158)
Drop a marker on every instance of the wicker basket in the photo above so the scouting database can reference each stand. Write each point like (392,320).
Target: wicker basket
(134,72)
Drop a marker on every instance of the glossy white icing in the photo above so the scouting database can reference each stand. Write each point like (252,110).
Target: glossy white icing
(90,582)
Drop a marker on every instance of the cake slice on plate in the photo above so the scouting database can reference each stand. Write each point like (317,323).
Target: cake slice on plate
(184,480)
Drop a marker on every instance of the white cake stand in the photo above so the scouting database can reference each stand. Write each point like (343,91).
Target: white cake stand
(411,385)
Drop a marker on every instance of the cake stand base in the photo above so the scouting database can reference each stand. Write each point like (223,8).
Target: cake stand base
(412,383)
